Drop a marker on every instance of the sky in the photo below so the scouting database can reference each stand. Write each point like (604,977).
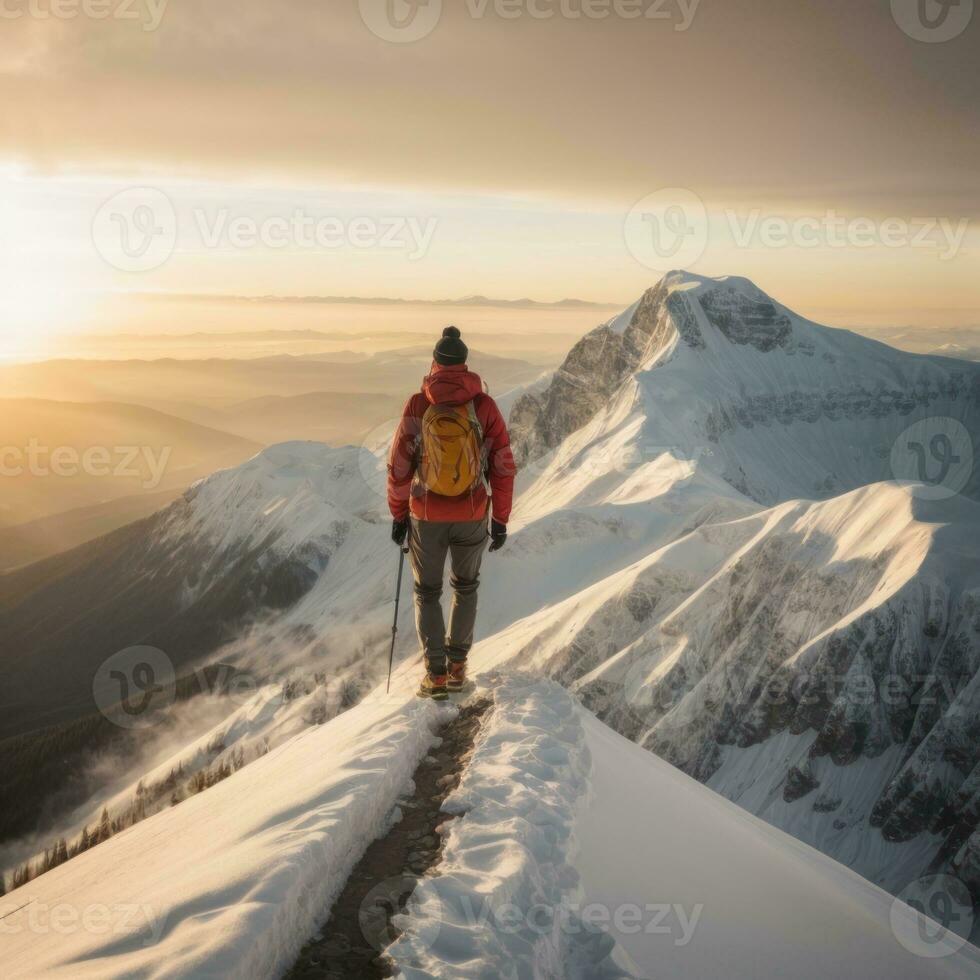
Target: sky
(542,148)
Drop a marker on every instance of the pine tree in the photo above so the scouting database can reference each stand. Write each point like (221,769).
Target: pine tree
(22,875)
(139,804)
(105,826)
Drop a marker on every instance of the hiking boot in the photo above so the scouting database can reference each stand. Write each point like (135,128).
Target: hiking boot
(457,675)
(434,686)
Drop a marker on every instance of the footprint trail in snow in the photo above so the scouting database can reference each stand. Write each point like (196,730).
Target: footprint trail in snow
(381,884)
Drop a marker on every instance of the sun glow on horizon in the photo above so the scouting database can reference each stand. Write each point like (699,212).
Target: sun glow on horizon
(41,294)
(57,282)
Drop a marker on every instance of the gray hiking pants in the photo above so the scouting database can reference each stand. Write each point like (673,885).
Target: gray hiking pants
(429,542)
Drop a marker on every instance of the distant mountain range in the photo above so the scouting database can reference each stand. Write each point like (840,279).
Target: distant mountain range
(476,300)
(89,453)
(960,342)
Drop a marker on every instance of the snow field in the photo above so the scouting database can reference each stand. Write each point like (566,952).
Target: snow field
(723,894)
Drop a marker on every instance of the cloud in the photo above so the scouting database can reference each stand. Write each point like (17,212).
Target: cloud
(829,104)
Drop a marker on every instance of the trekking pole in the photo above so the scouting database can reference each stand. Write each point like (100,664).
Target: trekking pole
(394,625)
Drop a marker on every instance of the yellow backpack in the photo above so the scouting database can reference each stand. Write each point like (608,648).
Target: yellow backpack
(451,462)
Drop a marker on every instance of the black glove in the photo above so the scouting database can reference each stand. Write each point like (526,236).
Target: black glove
(498,535)
(399,531)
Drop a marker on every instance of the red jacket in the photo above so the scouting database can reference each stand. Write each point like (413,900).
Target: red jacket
(450,385)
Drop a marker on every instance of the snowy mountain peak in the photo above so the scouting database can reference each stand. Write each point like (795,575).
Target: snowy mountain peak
(734,308)
(778,406)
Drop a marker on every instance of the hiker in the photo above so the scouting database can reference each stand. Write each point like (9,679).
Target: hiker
(452,441)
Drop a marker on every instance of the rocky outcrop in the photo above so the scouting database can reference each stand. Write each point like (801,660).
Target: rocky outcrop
(595,367)
(833,404)
(745,319)
(799,782)
(590,375)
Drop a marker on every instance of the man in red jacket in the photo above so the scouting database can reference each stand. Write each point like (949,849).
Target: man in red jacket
(452,438)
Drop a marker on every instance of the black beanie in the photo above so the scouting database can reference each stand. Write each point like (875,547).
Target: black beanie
(450,350)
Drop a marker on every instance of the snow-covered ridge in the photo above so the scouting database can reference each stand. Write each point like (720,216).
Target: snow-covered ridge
(261,536)
(292,493)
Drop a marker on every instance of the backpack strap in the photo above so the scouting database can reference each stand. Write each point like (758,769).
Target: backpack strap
(484,454)
(474,418)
